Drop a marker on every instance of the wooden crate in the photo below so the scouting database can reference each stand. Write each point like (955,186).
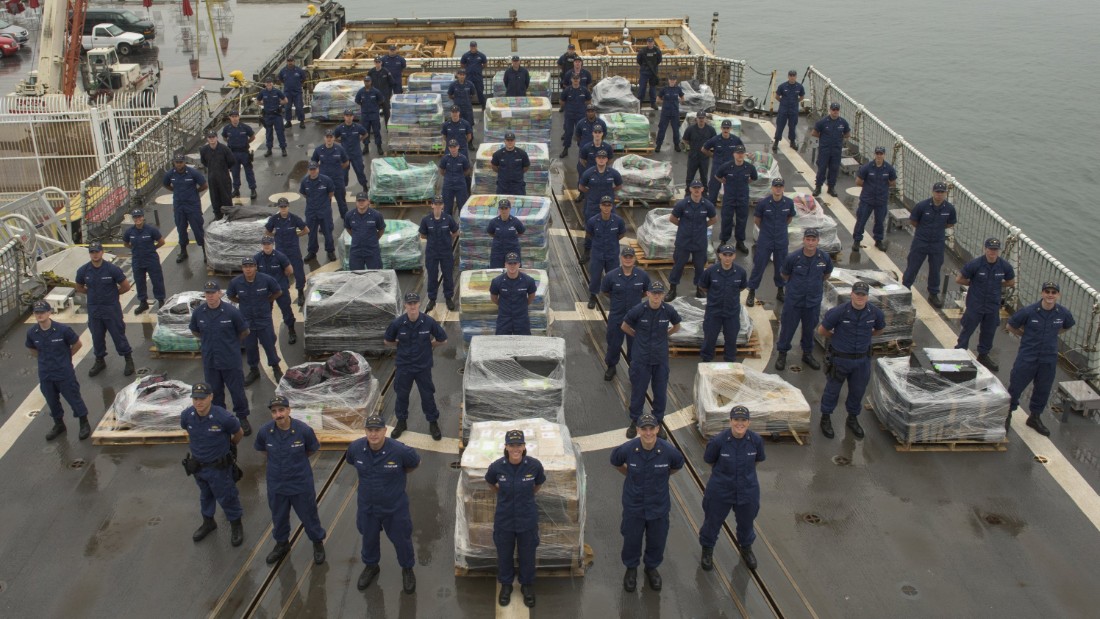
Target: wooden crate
(941,446)
(157,353)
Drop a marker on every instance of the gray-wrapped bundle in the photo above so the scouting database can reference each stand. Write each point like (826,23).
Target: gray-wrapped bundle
(657,235)
(232,238)
(614,94)
(775,404)
(151,403)
(644,179)
(509,377)
(350,310)
(698,97)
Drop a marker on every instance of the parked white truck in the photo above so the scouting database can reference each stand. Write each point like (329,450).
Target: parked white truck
(110,35)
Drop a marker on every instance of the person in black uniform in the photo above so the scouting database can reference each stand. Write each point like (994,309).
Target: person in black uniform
(694,138)
(54,344)
(516,479)
(565,61)
(516,79)
(213,434)
(733,455)
(218,161)
(648,58)
(382,79)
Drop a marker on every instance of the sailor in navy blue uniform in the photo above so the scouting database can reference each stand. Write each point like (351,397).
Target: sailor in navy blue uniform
(461,93)
(276,265)
(351,136)
(221,329)
(647,462)
(772,215)
(670,97)
(986,277)
(143,241)
(1038,326)
(512,291)
(598,181)
(648,59)
(574,101)
(577,69)
(318,190)
(831,132)
(627,286)
(458,129)
(293,78)
(238,136)
(735,176)
(370,101)
(516,79)
(394,63)
(55,344)
(287,444)
(254,293)
(789,94)
(693,216)
(511,164)
(456,169)
(931,218)
(586,125)
(186,183)
(732,455)
(474,62)
(334,162)
(212,435)
(286,228)
(649,323)
(440,230)
(505,231)
(876,177)
(516,478)
(722,283)
(416,335)
(218,161)
(383,464)
(695,136)
(720,149)
(366,226)
(805,271)
(103,282)
(849,327)
(604,229)
(587,157)
(565,61)
(271,101)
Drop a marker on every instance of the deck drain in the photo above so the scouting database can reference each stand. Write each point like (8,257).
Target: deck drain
(77,464)
(909,590)
(33,414)
(154,521)
(796,368)
(993,519)
(1041,459)
(842,460)
(455,465)
(812,518)
(142,371)
(1056,409)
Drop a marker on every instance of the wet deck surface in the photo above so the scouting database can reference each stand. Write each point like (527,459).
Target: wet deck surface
(893,534)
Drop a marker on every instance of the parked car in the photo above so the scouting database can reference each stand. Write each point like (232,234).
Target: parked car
(110,35)
(123,18)
(8,45)
(18,33)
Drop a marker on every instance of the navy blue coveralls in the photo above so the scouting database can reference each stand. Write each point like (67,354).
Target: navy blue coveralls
(516,82)
(414,362)
(732,486)
(929,241)
(605,235)
(56,376)
(805,289)
(370,103)
(691,238)
(735,203)
(583,133)
(829,147)
(698,164)
(454,170)
(596,185)
(516,520)
(252,299)
(274,266)
(331,162)
(474,63)
(462,94)
(649,359)
(395,64)
(670,114)
(789,96)
(285,230)
(625,291)
(220,332)
(723,312)
(983,300)
(874,198)
(505,239)
(238,139)
(209,437)
(773,241)
(648,59)
(646,503)
(438,253)
(460,132)
(104,309)
(292,79)
(351,138)
(510,171)
(145,261)
(850,354)
(574,102)
(290,478)
(186,205)
(364,229)
(1037,358)
(513,317)
(271,104)
(318,192)
(383,503)
(586,159)
(722,153)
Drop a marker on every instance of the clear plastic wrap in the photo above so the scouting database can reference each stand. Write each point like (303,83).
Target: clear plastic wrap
(767,168)
(229,241)
(510,377)
(400,246)
(627,130)
(394,179)
(644,179)
(173,330)
(335,395)
(895,300)
(350,310)
(479,313)
(539,86)
(331,98)
(918,405)
(809,213)
(537,176)
(614,94)
(690,334)
(151,403)
(475,243)
(430,82)
(530,118)
(657,235)
(775,404)
(698,97)
(560,501)
(415,121)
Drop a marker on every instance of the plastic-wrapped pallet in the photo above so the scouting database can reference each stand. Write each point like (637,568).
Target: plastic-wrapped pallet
(690,335)
(530,118)
(479,313)
(335,395)
(614,94)
(510,377)
(715,119)
(895,300)
(627,130)
(415,119)
(394,179)
(475,243)
(767,168)
(430,82)
(537,176)
(229,241)
(644,179)
(920,405)
(776,405)
(809,213)
(331,98)
(698,97)
(350,310)
(400,246)
(657,235)
(173,330)
(151,403)
(560,501)
(539,86)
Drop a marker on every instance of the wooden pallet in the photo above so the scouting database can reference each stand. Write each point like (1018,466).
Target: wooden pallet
(636,150)
(156,353)
(641,260)
(335,440)
(578,569)
(221,273)
(892,348)
(752,349)
(109,431)
(941,446)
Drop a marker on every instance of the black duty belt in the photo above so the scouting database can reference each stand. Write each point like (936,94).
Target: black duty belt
(850,355)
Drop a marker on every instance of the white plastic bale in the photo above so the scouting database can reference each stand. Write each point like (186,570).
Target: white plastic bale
(774,404)
(228,242)
(691,312)
(644,179)
(657,235)
(767,169)
(152,403)
(509,377)
(350,310)
(698,97)
(614,94)
(336,395)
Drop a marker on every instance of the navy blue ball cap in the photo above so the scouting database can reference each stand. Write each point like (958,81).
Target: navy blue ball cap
(270,79)
(279,400)
(313,165)
(362,195)
(452,142)
(861,288)
(234,113)
(267,240)
(657,287)
(1051,286)
(627,251)
(696,183)
(647,421)
(211,134)
(606,200)
(778,182)
(727,249)
(727,124)
(515,58)
(504,203)
(282,202)
(993,243)
(814,232)
(473,43)
(941,186)
(509,136)
(649,39)
(511,258)
(374,422)
(212,286)
(603,153)
(455,108)
(179,158)
(367,78)
(329,133)
(201,390)
(95,246)
(834,106)
(740,148)
(378,59)
(571,46)
(41,306)
(248,261)
(412,297)
(514,437)
(701,114)
(460,72)
(438,199)
(137,213)
(739,412)
(349,112)
(590,108)
(880,150)
(393,47)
